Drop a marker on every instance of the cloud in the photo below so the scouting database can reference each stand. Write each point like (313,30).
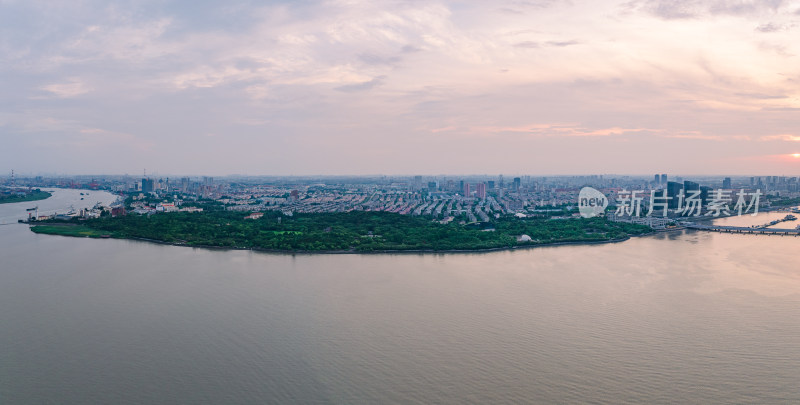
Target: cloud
(562,43)
(334,73)
(528,44)
(761,96)
(669,10)
(743,7)
(781,108)
(782,137)
(508,10)
(363,86)
(378,60)
(696,135)
(72,88)
(687,9)
(534,44)
(771,27)
(560,130)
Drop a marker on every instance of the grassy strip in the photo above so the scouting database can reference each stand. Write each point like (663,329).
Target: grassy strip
(80,231)
(34,196)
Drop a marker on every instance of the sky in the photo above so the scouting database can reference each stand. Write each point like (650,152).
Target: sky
(354,87)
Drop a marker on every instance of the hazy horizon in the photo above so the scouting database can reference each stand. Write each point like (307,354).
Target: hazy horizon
(507,176)
(284,88)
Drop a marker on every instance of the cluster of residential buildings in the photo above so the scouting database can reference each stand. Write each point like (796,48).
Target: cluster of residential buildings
(443,198)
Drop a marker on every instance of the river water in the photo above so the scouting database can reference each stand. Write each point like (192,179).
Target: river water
(681,317)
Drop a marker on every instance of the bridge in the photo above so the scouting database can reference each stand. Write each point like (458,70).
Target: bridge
(744,229)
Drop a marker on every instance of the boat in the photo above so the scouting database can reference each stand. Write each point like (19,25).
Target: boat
(32,209)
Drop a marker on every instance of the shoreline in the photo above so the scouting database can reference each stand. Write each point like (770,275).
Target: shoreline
(356,252)
(25,199)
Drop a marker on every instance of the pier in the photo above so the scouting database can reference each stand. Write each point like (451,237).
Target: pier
(745,230)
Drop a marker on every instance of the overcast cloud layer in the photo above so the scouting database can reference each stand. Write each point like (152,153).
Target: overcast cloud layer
(400,87)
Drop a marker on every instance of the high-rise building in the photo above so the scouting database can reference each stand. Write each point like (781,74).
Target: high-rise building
(517,183)
(490,184)
(726,183)
(664,179)
(481,191)
(148,185)
(673,189)
(417,182)
(691,188)
(705,194)
(433,185)
(465,190)
(657,179)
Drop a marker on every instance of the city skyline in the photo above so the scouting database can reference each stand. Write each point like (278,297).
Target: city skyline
(401,88)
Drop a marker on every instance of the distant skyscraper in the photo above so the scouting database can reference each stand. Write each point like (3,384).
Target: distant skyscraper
(673,189)
(517,183)
(466,190)
(148,185)
(490,184)
(705,193)
(664,179)
(657,179)
(481,191)
(433,186)
(417,182)
(726,183)
(690,188)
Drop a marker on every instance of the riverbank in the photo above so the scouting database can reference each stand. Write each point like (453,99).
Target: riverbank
(36,195)
(69,230)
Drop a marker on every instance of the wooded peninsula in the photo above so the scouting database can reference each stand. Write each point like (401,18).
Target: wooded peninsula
(355,231)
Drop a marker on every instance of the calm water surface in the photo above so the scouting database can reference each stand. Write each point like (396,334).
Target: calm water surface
(683,317)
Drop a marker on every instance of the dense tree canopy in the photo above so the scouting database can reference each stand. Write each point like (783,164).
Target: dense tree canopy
(357,231)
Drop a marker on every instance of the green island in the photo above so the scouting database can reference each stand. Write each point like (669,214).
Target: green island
(34,195)
(785,202)
(355,231)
